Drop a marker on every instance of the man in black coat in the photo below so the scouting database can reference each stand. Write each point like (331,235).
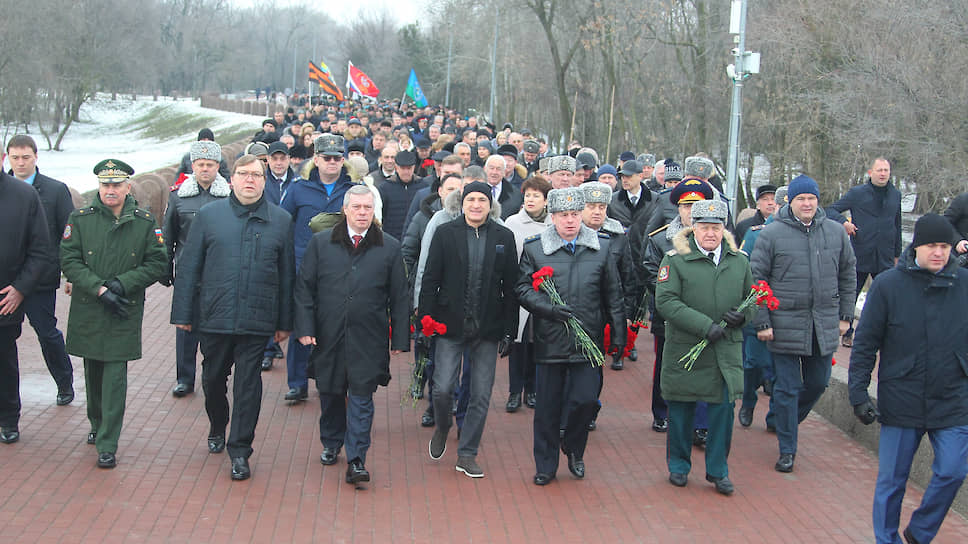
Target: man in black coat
(914,316)
(56,200)
(468,285)
(502,191)
(634,202)
(874,228)
(765,206)
(586,277)
(397,192)
(26,255)
(239,263)
(351,293)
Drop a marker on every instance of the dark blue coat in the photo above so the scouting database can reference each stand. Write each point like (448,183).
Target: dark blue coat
(878,219)
(917,321)
(396,197)
(307,198)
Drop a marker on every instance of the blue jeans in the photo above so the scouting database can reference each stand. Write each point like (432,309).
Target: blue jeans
(895,453)
(39,307)
(480,358)
(800,381)
(346,420)
(297,365)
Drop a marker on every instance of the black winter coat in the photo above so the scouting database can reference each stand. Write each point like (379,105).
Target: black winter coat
(183,206)
(26,255)
(511,199)
(621,208)
(445,278)
(240,265)
(587,281)
(415,232)
(349,299)
(877,214)
(957,214)
(917,321)
(58,204)
(396,201)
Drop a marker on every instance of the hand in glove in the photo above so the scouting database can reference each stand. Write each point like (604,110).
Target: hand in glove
(715,333)
(504,346)
(561,312)
(866,412)
(734,319)
(115,286)
(115,304)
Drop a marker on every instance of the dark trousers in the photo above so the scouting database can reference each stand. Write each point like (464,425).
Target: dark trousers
(553,397)
(800,381)
(297,364)
(757,368)
(679,438)
(186,352)
(219,353)
(659,409)
(895,454)
(9,377)
(346,420)
(274,350)
(107,392)
(521,368)
(39,307)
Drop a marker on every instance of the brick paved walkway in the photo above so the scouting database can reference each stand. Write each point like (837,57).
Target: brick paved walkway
(167,488)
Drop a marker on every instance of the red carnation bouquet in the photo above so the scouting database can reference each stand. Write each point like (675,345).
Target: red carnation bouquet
(631,333)
(541,281)
(429,328)
(760,294)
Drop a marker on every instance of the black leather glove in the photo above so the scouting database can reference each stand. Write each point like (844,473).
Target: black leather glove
(715,333)
(114,303)
(422,342)
(734,319)
(867,413)
(504,346)
(115,286)
(561,312)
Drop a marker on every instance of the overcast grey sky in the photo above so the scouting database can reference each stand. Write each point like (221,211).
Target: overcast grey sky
(404,11)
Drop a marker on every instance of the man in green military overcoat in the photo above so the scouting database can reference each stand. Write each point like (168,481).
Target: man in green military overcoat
(699,284)
(111,251)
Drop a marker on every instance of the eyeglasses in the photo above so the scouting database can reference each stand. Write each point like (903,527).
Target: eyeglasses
(250,175)
(330,158)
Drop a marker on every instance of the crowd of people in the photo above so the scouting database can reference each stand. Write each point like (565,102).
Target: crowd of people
(359,231)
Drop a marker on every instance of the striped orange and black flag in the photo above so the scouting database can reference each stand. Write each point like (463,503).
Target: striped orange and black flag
(322,77)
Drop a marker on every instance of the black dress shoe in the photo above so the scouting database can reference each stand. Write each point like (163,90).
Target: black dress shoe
(64,398)
(329,455)
(182,389)
(745,417)
(543,478)
(9,435)
(531,400)
(617,363)
(240,468)
(216,444)
(770,428)
(785,462)
(297,394)
(677,479)
(576,465)
(514,402)
(633,354)
(427,419)
(106,460)
(592,425)
(660,425)
(908,537)
(266,363)
(356,472)
(723,485)
(699,437)
(91,437)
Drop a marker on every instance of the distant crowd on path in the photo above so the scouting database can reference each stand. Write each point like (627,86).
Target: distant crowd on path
(345,233)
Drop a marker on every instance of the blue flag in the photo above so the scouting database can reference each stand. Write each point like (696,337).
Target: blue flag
(414,91)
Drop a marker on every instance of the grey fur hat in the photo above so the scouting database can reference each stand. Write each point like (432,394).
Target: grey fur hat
(709,211)
(205,150)
(699,167)
(596,192)
(561,162)
(566,200)
(646,159)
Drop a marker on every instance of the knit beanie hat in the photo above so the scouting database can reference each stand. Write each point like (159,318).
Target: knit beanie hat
(607,169)
(802,185)
(477,187)
(932,228)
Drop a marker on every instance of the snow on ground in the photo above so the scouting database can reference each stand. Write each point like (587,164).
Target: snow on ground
(105,131)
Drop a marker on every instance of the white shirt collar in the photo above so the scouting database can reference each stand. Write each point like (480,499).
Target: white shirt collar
(351,231)
(717,253)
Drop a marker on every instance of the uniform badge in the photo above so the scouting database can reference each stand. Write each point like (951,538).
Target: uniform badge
(158,234)
(663,273)
(67,232)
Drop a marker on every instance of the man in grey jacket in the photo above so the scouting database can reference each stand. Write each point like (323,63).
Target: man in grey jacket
(809,263)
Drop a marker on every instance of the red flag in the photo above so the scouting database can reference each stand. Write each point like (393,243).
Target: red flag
(360,82)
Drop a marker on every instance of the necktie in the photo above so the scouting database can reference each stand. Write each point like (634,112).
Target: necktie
(633,200)
(494,192)
(570,246)
(712,257)
(357,238)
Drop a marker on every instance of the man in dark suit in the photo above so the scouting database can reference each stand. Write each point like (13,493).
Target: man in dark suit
(502,191)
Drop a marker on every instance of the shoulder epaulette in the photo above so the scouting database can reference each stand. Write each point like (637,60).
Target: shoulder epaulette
(532,238)
(143,214)
(658,230)
(604,235)
(85,211)
(672,252)
(757,227)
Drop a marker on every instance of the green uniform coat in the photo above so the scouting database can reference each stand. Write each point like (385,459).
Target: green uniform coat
(691,293)
(96,247)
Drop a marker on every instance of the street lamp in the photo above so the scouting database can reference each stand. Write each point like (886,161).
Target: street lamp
(745,63)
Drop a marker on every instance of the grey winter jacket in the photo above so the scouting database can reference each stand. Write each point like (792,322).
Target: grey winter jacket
(811,271)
